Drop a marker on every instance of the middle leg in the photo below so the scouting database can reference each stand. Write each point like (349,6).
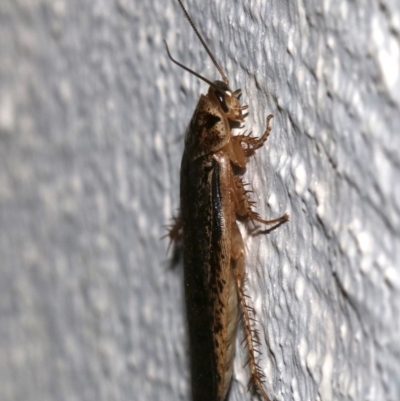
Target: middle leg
(244,204)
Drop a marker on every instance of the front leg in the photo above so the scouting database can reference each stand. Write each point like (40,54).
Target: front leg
(251,144)
(243,146)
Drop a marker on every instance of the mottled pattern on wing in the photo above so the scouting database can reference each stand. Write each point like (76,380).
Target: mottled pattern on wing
(209,284)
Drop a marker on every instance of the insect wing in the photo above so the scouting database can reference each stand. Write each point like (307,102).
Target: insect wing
(211,296)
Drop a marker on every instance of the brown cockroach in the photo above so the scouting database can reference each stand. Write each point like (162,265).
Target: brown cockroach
(212,197)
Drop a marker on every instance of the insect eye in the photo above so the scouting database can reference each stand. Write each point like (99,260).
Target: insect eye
(221,99)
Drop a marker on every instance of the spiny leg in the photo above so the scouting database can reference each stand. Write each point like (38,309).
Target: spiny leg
(175,231)
(252,144)
(244,204)
(256,374)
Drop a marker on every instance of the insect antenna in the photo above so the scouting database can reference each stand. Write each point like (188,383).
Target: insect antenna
(188,69)
(225,79)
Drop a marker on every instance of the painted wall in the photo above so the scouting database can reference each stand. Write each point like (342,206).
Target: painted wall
(92,115)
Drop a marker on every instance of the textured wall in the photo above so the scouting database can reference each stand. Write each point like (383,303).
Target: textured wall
(91,121)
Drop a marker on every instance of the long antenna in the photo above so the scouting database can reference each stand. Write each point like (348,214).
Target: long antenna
(225,79)
(188,69)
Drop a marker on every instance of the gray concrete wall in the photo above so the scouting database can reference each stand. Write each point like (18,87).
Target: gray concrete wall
(92,115)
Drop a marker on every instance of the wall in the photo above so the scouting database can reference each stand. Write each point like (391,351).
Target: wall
(92,115)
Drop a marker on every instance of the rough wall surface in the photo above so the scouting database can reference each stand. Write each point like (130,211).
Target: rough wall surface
(91,121)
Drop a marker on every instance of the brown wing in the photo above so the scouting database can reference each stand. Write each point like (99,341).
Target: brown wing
(211,299)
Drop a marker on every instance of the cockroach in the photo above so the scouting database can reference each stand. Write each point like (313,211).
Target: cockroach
(212,198)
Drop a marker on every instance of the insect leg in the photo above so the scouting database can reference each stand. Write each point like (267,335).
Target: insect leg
(244,204)
(251,144)
(237,256)
(175,231)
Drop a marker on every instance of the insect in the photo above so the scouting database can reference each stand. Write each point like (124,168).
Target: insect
(212,198)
